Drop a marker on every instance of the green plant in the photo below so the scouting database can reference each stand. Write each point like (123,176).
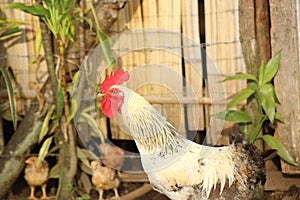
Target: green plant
(262,91)
(60,17)
(11,96)
(9,28)
(73,190)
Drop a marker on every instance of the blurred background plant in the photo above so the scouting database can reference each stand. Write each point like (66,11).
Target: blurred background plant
(8,28)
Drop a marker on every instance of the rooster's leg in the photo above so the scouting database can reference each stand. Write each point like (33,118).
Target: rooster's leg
(100,194)
(116,193)
(44,196)
(32,197)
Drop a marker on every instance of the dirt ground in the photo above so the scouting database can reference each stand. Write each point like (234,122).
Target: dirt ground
(20,191)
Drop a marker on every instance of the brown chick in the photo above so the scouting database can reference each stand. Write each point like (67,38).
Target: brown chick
(104,178)
(112,156)
(36,175)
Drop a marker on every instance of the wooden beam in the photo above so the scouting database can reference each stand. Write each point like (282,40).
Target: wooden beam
(276,181)
(138,192)
(133,177)
(185,100)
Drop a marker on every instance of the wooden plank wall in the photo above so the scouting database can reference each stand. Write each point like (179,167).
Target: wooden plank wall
(287,80)
(224,50)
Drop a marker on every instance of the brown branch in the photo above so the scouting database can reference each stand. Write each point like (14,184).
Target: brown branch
(47,45)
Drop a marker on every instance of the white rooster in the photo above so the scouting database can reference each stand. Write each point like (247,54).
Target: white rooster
(177,167)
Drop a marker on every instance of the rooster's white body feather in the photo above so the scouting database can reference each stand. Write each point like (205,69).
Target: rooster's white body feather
(180,168)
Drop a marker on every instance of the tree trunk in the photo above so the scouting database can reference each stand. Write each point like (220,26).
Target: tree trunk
(67,151)
(249,47)
(18,148)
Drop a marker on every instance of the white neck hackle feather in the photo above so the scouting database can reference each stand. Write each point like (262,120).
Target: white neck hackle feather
(154,134)
(150,129)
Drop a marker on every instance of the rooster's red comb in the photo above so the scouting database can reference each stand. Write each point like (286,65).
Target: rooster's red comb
(115,78)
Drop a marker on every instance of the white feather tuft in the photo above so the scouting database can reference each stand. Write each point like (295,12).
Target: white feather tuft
(220,170)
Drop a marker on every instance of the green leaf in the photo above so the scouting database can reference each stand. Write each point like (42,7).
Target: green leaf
(69,186)
(44,149)
(10,32)
(82,156)
(105,43)
(85,117)
(48,3)
(243,129)
(72,32)
(261,71)
(271,68)
(11,95)
(54,172)
(4,107)
(245,76)
(267,98)
(255,128)
(38,41)
(87,20)
(86,196)
(234,116)
(73,110)
(68,5)
(45,125)
(241,96)
(279,117)
(11,22)
(54,149)
(281,150)
(37,10)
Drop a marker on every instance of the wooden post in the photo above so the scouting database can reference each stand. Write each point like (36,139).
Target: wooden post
(248,35)
(262,24)
(284,36)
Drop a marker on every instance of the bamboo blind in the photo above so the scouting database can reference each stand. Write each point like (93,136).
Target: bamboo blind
(222,31)
(221,25)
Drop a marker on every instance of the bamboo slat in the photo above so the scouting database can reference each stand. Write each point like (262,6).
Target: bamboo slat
(131,59)
(193,71)
(224,50)
(169,19)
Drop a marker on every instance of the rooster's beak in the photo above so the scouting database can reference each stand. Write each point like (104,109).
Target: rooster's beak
(100,95)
